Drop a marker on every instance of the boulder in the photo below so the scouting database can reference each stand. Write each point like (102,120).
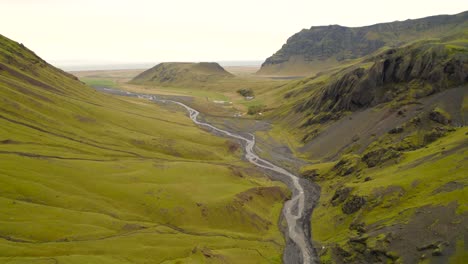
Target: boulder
(353,204)
(439,116)
(340,195)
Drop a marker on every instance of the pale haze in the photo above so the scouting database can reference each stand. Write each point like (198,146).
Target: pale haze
(136,31)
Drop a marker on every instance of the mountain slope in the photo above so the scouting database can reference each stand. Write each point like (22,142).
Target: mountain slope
(92,178)
(386,139)
(178,73)
(319,48)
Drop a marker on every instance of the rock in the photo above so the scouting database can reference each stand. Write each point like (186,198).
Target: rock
(367,179)
(395,130)
(353,204)
(360,239)
(340,195)
(434,134)
(312,174)
(416,120)
(436,247)
(437,252)
(439,116)
(426,247)
(421,65)
(341,252)
(359,227)
(322,43)
(347,165)
(379,156)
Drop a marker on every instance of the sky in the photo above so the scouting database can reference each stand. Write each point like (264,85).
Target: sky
(141,31)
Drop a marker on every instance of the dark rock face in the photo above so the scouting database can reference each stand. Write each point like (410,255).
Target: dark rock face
(439,117)
(353,204)
(340,196)
(320,43)
(347,165)
(419,70)
(434,134)
(311,174)
(334,41)
(395,130)
(379,156)
(359,227)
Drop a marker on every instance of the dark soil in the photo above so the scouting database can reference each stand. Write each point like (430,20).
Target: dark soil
(431,233)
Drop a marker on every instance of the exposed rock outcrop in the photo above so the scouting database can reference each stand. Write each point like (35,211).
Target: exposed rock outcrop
(414,71)
(353,204)
(309,48)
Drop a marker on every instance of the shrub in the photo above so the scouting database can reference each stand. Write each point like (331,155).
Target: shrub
(246,92)
(254,109)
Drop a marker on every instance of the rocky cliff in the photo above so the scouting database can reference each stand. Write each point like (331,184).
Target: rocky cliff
(400,74)
(318,48)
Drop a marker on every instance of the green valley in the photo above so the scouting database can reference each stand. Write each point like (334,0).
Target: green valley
(347,145)
(93,178)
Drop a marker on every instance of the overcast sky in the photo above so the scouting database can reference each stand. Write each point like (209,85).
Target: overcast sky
(104,31)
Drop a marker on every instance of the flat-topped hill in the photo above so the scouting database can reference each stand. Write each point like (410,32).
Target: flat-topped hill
(182,72)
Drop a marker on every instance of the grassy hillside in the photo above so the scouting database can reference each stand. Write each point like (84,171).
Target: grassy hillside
(392,80)
(91,178)
(319,48)
(386,139)
(408,209)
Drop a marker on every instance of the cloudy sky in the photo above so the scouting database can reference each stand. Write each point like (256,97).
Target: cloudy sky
(133,31)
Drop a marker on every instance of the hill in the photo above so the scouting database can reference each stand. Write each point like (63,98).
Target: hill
(171,73)
(386,139)
(87,177)
(319,48)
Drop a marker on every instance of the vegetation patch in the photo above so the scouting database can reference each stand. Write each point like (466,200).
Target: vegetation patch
(255,109)
(246,92)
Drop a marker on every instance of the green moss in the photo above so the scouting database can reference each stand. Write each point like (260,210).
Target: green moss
(98,82)
(395,190)
(461,254)
(93,178)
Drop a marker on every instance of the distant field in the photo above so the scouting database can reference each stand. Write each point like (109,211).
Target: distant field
(242,70)
(207,98)
(93,82)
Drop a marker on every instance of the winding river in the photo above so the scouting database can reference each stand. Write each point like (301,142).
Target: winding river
(293,209)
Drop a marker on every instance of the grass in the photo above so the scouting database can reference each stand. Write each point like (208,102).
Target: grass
(98,82)
(419,175)
(204,94)
(92,178)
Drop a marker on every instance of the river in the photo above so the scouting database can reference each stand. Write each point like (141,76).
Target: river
(294,210)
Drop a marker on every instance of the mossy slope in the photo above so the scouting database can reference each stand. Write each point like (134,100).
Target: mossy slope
(91,178)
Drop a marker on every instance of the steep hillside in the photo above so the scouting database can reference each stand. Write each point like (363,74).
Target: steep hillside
(172,73)
(91,178)
(319,48)
(386,139)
